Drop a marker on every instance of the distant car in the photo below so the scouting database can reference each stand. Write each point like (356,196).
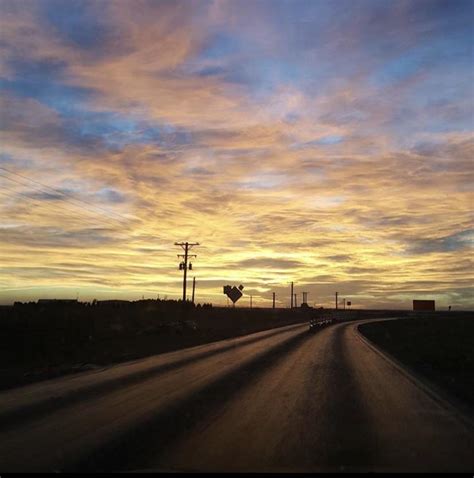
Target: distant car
(318,324)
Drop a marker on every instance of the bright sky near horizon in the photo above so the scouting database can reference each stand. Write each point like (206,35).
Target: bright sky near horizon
(325,142)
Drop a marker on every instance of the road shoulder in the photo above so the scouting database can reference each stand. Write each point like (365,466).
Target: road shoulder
(441,396)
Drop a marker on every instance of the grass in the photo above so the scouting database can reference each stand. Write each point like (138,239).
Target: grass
(40,345)
(440,349)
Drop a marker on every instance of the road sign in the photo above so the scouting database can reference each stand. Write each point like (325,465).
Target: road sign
(233,293)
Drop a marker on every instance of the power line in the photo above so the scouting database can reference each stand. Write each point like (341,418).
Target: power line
(60,208)
(63,193)
(43,204)
(79,207)
(66,212)
(97,265)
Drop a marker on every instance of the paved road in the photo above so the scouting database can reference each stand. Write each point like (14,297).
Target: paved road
(281,400)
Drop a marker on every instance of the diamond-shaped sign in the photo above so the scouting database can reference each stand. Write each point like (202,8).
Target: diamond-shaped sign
(233,293)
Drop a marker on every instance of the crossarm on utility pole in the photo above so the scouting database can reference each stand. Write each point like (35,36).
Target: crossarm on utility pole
(186,246)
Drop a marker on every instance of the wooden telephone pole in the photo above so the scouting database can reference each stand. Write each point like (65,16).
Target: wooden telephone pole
(184,266)
(194,289)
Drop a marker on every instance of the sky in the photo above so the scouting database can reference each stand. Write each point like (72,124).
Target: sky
(327,143)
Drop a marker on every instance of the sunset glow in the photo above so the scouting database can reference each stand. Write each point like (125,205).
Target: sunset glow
(299,141)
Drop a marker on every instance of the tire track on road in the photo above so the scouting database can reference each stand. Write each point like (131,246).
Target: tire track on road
(64,436)
(16,415)
(133,449)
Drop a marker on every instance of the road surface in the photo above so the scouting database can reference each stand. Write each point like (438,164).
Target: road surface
(279,400)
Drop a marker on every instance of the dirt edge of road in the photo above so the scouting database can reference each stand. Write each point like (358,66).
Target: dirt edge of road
(458,407)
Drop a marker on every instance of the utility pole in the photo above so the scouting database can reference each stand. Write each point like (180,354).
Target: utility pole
(183,266)
(296,305)
(305,297)
(273,305)
(194,289)
(336,300)
(291,295)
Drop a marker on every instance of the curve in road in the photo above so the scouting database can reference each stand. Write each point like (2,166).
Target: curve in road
(293,401)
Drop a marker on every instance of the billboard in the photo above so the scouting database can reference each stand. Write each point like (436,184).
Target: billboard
(428,305)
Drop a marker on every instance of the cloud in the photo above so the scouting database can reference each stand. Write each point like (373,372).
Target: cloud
(56,237)
(269,263)
(460,241)
(328,143)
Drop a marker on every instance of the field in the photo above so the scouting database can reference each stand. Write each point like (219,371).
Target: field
(40,341)
(439,349)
